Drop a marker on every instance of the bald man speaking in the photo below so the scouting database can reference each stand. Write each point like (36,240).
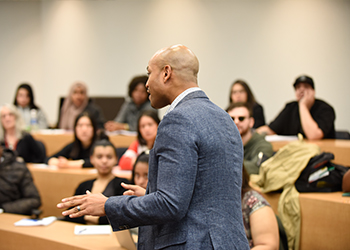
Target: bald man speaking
(193,197)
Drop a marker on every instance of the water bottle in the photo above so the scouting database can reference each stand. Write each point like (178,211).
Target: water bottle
(33,120)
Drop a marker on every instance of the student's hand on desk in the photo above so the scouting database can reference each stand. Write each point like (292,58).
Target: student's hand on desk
(113,126)
(62,162)
(89,204)
(133,190)
(109,125)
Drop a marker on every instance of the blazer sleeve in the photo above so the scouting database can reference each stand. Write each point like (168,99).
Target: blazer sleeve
(169,200)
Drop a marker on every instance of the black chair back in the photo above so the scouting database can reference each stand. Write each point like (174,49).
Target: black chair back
(343,135)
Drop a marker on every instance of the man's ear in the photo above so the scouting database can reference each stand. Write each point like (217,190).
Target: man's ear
(251,122)
(167,72)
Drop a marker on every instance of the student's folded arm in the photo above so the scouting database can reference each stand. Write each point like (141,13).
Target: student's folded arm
(309,125)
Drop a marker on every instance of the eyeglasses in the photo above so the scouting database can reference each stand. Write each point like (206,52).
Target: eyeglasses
(240,118)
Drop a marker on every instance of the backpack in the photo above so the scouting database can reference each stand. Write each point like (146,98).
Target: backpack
(321,175)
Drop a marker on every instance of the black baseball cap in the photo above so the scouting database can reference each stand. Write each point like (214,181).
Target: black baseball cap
(304,79)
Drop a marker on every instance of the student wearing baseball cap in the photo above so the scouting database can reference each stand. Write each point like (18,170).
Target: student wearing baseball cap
(311,117)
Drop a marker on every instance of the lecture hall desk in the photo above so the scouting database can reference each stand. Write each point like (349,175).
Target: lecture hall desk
(55,141)
(325,220)
(325,217)
(58,236)
(340,148)
(54,184)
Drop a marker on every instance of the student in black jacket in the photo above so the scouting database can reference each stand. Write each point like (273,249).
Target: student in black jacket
(18,193)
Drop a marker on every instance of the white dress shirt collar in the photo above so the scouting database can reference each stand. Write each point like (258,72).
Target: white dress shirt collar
(180,97)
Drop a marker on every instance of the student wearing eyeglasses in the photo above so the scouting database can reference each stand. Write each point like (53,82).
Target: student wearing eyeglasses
(253,142)
(241,92)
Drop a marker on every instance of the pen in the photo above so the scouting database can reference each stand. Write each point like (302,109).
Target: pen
(82,231)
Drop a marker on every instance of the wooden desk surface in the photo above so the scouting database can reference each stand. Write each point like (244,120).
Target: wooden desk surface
(54,184)
(340,149)
(54,142)
(325,219)
(59,236)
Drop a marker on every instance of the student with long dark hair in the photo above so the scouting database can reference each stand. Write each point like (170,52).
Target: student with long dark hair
(139,179)
(24,101)
(240,92)
(77,153)
(146,134)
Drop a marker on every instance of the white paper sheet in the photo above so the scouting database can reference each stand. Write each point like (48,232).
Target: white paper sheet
(33,222)
(92,229)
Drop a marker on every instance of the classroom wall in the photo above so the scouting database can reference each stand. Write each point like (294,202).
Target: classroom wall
(268,43)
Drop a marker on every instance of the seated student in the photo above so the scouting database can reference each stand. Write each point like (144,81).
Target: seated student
(18,193)
(139,179)
(259,220)
(74,104)
(253,142)
(131,109)
(13,136)
(146,135)
(140,170)
(24,101)
(311,117)
(77,153)
(240,92)
(103,157)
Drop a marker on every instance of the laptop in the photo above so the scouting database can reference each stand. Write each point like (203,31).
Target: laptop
(125,239)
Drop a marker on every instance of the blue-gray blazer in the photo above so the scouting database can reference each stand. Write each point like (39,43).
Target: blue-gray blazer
(193,198)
